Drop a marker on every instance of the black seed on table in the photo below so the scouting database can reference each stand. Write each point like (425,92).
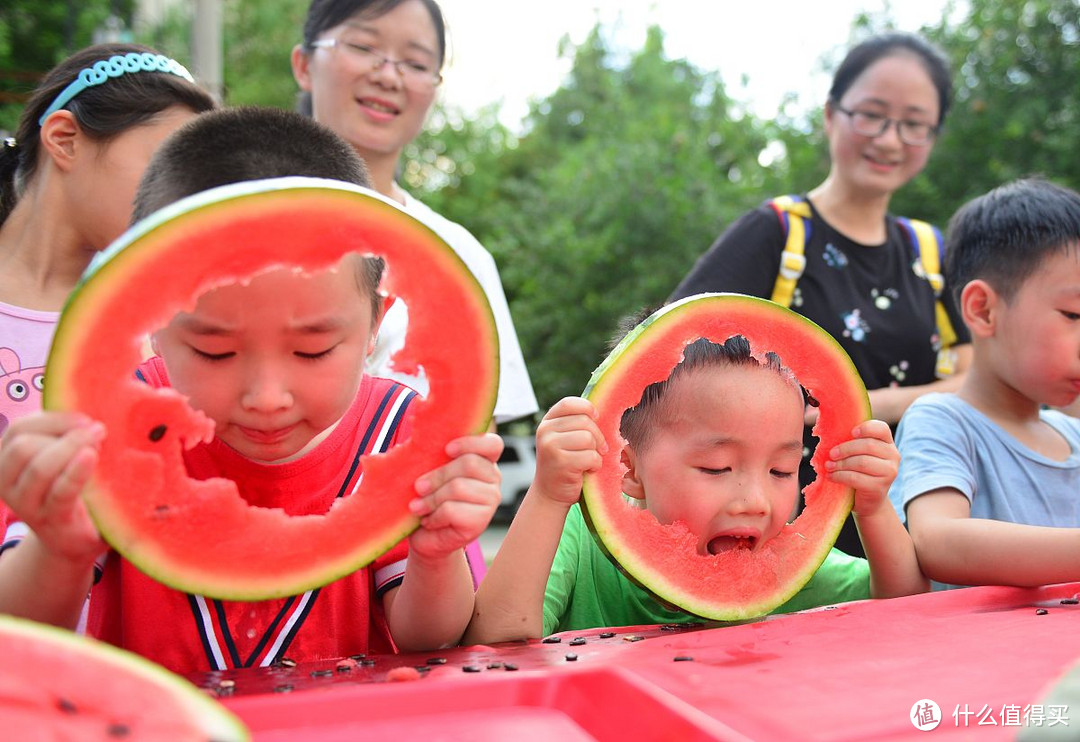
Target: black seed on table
(157,433)
(368,662)
(683,658)
(509,666)
(470,668)
(1069,601)
(283,688)
(607,635)
(494,665)
(632,638)
(1041,612)
(577,641)
(118,730)
(670,627)
(321,673)
(357,657)
(571,657)
(551,639)
(423,668)
(66,706)
(436,660)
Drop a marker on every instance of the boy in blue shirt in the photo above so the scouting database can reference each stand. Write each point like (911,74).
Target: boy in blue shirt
(989,479)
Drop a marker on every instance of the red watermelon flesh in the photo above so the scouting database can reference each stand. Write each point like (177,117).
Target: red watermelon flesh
(55,685)
(201,536)
(664,559)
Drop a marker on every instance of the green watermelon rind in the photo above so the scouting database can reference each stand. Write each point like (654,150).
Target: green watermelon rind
(606,533)
(141,242)
(205,715)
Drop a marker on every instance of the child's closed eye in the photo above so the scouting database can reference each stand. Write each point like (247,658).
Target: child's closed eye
(1071,316)
(204,355)
(781,473)
(316,355)
(714,472)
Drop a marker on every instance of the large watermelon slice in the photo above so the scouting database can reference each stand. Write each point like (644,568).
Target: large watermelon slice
(663,559)
(55,685)
(201,536)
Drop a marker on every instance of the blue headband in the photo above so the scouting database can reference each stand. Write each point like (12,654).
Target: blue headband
(114,67)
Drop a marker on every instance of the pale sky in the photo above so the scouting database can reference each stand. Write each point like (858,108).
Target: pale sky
(507,49)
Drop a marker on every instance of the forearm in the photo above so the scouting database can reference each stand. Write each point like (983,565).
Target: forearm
(37,585)
(510,600)
(894,567)
(975,551)
(432,607)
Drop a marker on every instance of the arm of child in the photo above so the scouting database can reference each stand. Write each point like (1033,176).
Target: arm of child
(433,605)
(957,549)
(510,600)
(869,462)
(45,461)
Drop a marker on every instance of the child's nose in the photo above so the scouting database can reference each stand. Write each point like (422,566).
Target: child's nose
(750,498)
(267,393)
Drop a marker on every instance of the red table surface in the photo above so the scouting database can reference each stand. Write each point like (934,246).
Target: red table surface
(848,672)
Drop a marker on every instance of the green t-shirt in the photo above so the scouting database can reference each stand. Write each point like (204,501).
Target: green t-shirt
(585,590)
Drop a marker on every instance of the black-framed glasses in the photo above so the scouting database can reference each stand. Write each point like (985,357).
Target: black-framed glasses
(416,75)
(870,124)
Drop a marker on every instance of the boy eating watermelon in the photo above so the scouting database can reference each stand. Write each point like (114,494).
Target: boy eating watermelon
(717,447)
(276,363)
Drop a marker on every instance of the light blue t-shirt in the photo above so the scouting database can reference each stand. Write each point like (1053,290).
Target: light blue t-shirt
(945,442)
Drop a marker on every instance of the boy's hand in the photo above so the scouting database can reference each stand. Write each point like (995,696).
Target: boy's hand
(868,462)
(568,444)
(457,501)
(45,461)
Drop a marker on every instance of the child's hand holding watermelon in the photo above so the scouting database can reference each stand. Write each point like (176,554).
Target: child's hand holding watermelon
(568,444)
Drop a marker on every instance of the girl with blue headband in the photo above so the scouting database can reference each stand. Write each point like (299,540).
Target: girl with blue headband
(67,182)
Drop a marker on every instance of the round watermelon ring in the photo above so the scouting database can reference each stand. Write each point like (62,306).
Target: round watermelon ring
(663,559)
(201,536)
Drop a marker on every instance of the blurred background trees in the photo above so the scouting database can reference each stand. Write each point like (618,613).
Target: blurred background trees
(618,180)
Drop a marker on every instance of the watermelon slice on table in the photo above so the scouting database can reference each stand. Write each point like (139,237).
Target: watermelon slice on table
(201,536)
(663,559)
(56,685)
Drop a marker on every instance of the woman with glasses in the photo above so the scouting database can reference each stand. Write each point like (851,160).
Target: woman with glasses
(859,275)
(370,69)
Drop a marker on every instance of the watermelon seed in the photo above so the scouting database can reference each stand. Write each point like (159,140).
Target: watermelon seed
(158,432)
(571,657)
(632,638)
(436,660)
(607,635)
(321,673)
(470,668)
(683,658)
(66,706)
(577,641)
(670,627)
(283,688)
(1041,612)
(118,730)
(367,662)
(357,657)
(551,639)
(1069,601)
(494,665)
(286,662)
(509,666)
(423,668)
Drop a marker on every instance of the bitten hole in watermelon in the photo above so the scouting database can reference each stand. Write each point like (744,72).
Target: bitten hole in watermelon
(273,361)
(714,447)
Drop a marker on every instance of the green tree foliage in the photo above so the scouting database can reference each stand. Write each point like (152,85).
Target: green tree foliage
(627,173)
(36,34)
(1017,105)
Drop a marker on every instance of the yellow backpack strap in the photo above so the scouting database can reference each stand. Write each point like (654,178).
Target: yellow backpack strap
(927,242)
(793,213)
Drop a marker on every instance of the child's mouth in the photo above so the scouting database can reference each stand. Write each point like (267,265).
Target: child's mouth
(721,544)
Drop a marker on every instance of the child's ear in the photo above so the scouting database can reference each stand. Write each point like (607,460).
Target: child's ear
(631,484)
(978,306)
(60,138)
(300,60)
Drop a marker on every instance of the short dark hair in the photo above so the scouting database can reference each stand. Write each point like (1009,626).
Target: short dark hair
(1003,236)
(234,145)
(638,421)
(866,53)
(103,111)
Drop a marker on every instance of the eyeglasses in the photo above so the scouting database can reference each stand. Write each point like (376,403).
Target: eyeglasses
(867,124)
(416,75)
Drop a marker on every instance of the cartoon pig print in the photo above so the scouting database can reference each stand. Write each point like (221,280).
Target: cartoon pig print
(20,388)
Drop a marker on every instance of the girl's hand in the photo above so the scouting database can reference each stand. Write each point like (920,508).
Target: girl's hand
(568,444)
(869,463)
